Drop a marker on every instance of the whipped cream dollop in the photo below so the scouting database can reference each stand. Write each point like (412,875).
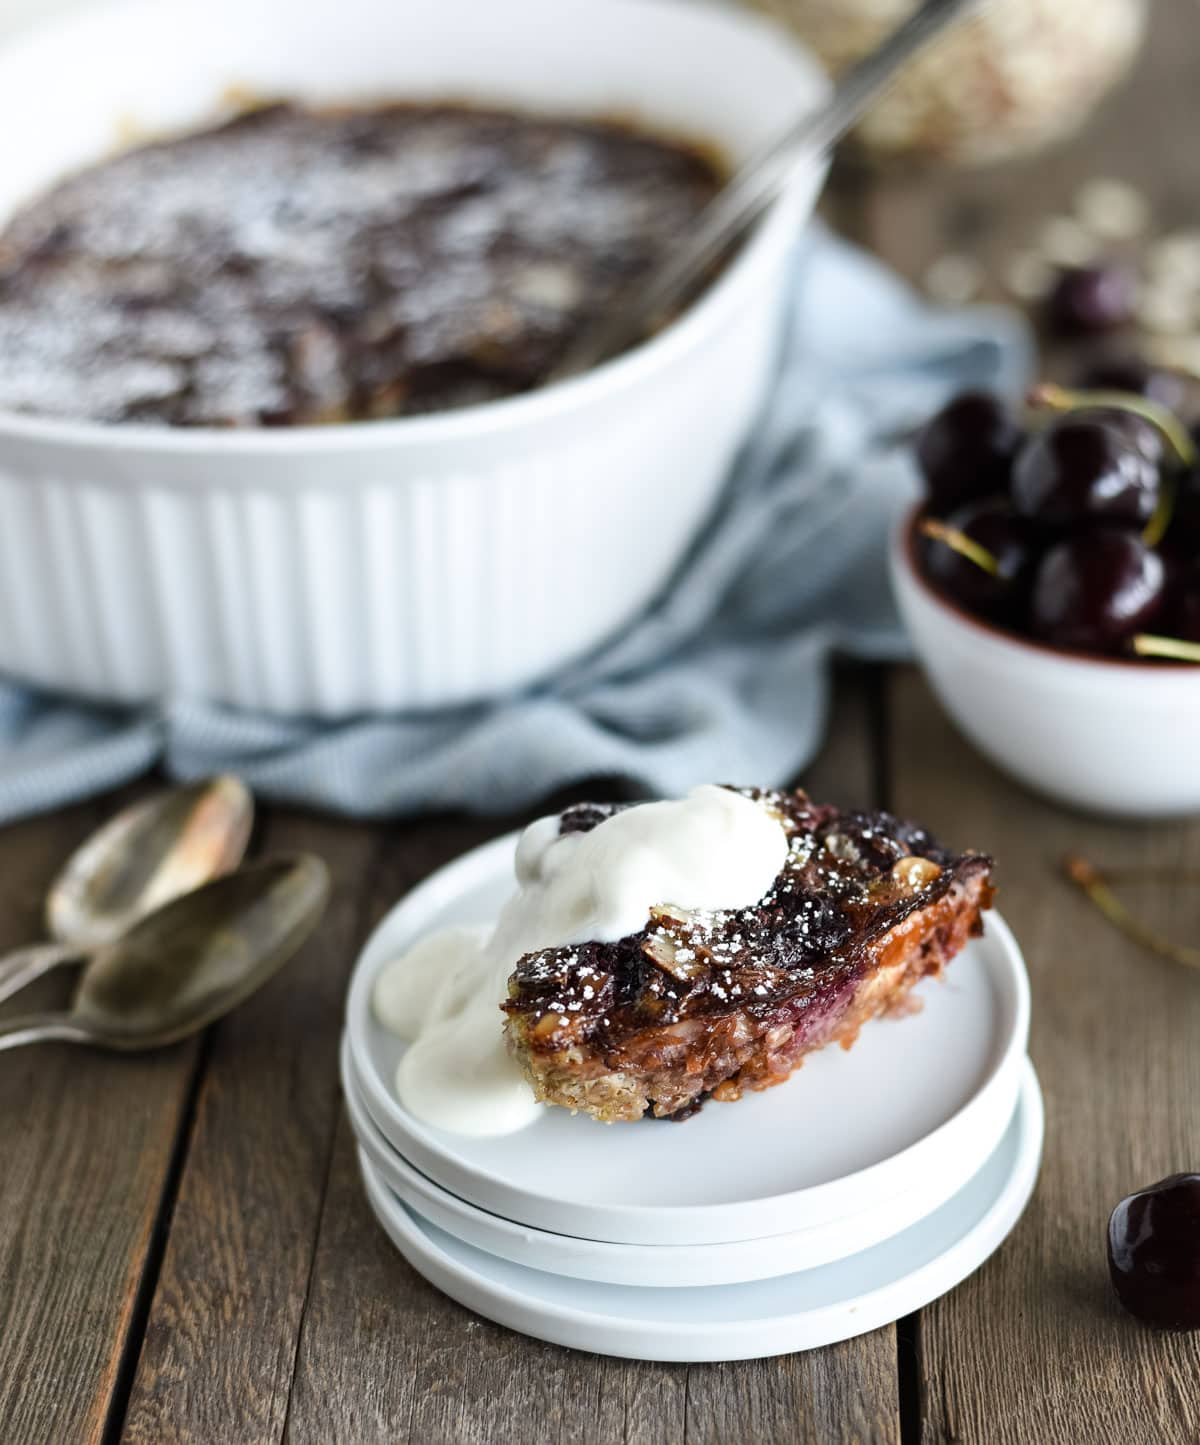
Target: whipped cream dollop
(714,850)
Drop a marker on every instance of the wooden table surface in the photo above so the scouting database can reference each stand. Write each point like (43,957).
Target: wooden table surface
(185,1252)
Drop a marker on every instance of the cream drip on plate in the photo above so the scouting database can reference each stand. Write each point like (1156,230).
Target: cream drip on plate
(712,851)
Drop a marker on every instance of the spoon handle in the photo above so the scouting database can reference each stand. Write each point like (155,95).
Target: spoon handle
(25,964)
(754,186)
(42,1029)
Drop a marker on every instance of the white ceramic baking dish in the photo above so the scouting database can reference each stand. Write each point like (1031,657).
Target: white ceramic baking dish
(402,564)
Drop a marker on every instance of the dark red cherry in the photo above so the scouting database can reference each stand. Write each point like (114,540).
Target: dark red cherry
(1177,565)
(1183,618)
(1154,1253)
(1132,374)
(1088,299)
(1185,514)
(1094,591)
(1006,537)
(966,450)
(1086,468)
(1186,621)
(1142,435)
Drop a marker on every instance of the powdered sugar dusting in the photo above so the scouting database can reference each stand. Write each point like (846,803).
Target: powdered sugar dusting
(304,266)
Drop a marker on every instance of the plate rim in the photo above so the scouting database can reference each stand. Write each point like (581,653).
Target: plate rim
(742,1339)
(646,1224)
(420,1194)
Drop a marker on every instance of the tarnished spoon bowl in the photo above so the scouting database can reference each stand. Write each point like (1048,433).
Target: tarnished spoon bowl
(190,962)
(156,850)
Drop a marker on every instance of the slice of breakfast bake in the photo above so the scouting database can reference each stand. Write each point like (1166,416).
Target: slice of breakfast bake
(709,1003)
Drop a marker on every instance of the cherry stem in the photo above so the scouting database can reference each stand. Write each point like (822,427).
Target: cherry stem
(962,544)
(1148,644)
(1059,398)
(1156,528)
(1095,885)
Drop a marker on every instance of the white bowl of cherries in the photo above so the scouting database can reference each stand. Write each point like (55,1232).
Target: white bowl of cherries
(1051,586)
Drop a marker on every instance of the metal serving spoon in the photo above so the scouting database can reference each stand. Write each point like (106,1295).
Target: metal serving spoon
(190,962)
(151,852)
(752,188)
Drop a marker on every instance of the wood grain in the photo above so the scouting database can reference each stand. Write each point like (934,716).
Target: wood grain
(282,1312)
(220,1342)
(222,1332)
(849,1393)
(383,1357)
(86,1141)
(1034,1347)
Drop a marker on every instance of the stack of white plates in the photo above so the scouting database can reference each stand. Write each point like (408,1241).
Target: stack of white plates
(868,1185)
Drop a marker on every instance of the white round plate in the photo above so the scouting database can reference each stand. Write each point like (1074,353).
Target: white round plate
(739,1321)
(656,1265)
(866,1124)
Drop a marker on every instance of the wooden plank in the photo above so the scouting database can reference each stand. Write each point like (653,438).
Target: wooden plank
(86,1141)
(222,1331)
(849,1392)
(383,1357)
(1034,1346)
(846,1393)
(220,1340)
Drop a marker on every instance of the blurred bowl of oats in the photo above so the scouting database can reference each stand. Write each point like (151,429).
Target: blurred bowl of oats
(1018,76)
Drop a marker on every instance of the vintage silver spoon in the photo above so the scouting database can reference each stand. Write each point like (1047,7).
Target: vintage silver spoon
(752,188)
(151,852)
(190,962)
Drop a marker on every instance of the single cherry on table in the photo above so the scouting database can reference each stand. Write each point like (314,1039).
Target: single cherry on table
(1154,1253)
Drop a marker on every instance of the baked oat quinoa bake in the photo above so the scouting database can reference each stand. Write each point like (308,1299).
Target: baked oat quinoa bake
(709,1004)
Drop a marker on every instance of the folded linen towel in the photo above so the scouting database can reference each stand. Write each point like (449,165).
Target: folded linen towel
(725,676)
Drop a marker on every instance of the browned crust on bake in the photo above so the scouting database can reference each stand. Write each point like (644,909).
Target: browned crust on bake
(739,1053)
(897,922)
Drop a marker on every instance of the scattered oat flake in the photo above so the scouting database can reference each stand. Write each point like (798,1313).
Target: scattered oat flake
(1167,310)
(1029,276)
(1175,257)
(1180,353)
(1065,242)
(1112,210)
